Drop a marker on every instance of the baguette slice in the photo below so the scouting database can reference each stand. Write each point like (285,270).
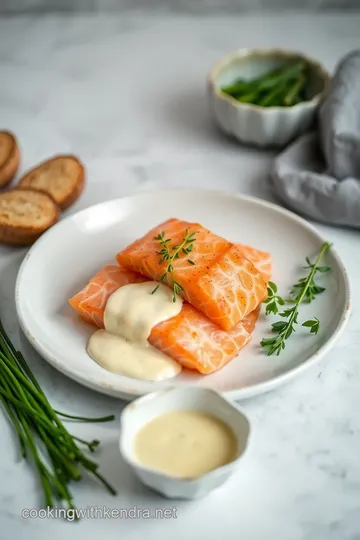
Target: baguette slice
(24,215)
(9,157)
(61,177)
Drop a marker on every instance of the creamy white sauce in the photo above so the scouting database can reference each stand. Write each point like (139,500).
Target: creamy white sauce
(120,356)
(132,311)
(130,314)
(185,444)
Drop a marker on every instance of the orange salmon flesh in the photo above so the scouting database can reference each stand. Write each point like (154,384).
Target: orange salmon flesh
(222,283)
(190,337)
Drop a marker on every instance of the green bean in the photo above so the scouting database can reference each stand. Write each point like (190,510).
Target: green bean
(283,86)
(294,92)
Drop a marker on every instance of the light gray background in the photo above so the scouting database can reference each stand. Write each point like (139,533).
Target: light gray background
(200,6)
(127,94)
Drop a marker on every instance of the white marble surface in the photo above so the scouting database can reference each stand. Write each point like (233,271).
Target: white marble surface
(126,93)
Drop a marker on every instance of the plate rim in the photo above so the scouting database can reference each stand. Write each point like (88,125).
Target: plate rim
(234,394)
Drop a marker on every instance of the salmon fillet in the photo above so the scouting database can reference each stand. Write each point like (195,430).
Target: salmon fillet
(91,301)
(222,283)
(190,337)
(199,344)
(260,259)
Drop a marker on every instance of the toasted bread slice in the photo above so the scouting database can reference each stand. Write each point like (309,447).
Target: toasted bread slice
(24,215)
(9,157)
(61,177)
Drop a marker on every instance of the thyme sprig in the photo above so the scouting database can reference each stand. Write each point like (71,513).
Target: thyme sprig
(305,290)
(273,300)
(169,254)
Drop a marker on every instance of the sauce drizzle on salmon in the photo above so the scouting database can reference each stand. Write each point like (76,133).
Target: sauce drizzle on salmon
(190,338)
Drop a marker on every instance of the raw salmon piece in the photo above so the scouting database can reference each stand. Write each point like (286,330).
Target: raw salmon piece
(250,320)
(260,259)
(199,344)
(91,301)
(222,283)
(190,337)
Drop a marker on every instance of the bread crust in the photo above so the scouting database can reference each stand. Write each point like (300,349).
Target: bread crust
(68,198)
(79,188)
(11,165)
(17,235)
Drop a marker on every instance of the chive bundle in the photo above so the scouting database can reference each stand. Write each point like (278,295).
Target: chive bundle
(42,436)
(283,87)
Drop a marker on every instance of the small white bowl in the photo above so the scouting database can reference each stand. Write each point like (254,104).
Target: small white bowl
(253,124)
(144,409)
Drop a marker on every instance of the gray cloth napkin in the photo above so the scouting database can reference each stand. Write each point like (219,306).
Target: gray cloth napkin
(319,174)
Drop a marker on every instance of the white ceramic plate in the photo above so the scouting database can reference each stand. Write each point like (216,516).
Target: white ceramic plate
(62,261)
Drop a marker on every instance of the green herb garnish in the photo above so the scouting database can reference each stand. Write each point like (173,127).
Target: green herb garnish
(273,301)
(42,436)
(282,87)
(170,254)
(305,290)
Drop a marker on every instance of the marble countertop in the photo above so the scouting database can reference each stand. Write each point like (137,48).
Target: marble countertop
(126,94)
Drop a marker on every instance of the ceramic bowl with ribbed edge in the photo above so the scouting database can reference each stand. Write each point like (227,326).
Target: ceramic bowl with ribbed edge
(264,126)
(146,408)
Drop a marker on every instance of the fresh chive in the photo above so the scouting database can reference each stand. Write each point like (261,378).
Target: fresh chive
(42,436)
